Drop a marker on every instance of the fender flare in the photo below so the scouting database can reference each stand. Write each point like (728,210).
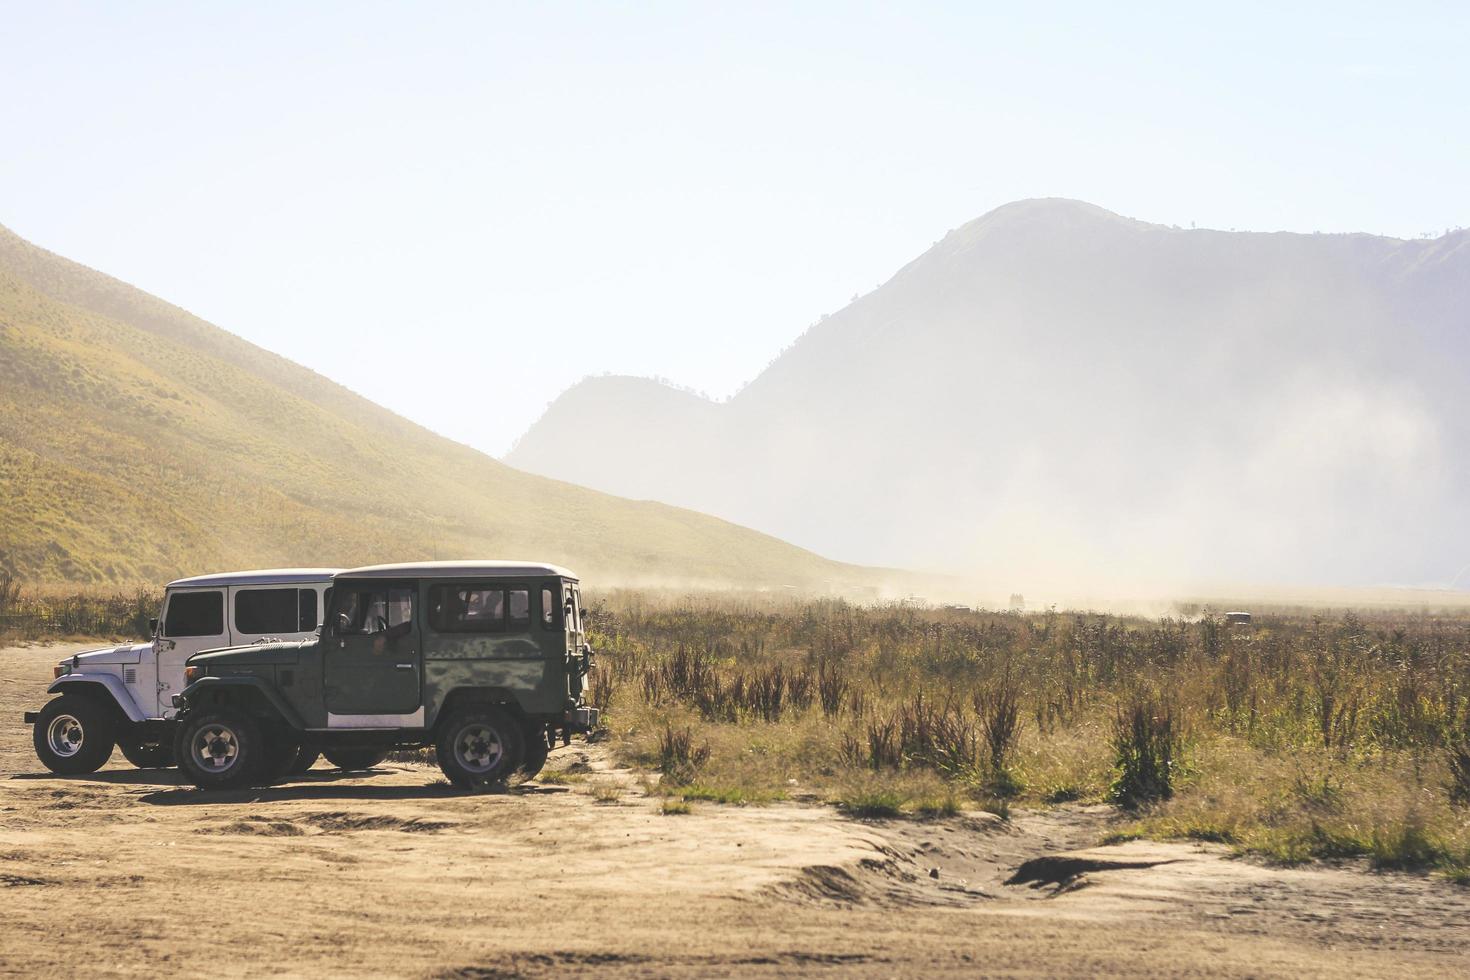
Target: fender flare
(474,694)
(117,692)
(205,687)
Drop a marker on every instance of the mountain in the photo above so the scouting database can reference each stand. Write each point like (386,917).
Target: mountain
(1056,393)
(138,443)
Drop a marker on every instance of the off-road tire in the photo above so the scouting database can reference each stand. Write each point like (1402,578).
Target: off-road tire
(480,746)
(149,755)
(231,742)
(281,753)
(355,759)
(536,750)
(305,759)
(74,735)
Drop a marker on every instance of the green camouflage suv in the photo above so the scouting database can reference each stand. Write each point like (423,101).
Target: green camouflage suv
(486,661)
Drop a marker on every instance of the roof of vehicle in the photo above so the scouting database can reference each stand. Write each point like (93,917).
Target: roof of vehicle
(460,569)
(259,576)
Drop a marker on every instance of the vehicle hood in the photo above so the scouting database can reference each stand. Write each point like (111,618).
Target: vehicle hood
(129,654)
(252,654)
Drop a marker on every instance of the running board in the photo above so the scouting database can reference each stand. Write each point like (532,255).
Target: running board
(338,723)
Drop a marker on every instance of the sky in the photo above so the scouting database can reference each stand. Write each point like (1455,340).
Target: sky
(459,210)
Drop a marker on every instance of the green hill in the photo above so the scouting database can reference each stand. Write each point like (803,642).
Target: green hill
(138,442)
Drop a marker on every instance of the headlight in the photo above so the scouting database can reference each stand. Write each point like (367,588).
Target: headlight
(60,670)
(191,674)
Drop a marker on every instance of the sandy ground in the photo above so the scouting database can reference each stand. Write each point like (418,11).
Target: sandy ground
(129,872)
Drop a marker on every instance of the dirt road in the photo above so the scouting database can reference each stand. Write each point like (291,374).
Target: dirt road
(129,872)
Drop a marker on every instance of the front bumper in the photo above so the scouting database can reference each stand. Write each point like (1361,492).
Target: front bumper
(32,717)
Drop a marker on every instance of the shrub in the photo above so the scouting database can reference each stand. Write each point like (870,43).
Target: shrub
(999,708)
(932,807)
(1405,846)
(1457,756)
(1145,741)
(1067,793)
(679,758)
(831,688)
(873,804)
(878,749)
(937,736)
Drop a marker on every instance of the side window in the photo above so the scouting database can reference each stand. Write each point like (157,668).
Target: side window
(573,610)
(195,614)
(548,608)
(306,611)
(485,607)
(518,608)
(369,609)
(260,612)
(400,606)
(478,609)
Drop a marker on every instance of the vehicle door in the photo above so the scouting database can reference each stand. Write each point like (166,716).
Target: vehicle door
(576,639)
(193,620)
(373,669)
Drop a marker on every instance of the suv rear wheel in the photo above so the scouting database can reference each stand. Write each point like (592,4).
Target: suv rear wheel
(220,748)
(74,735)
(479,746)
(537,748)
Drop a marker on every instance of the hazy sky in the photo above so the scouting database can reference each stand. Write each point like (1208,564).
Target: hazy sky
(459,210)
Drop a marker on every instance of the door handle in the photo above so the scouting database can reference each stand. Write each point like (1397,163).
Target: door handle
(404,666)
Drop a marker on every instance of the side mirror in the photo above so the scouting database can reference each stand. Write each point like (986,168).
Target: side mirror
(153,626)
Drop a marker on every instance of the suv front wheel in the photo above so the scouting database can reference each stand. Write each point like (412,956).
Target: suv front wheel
(479,746)
(220,749)
(74,735)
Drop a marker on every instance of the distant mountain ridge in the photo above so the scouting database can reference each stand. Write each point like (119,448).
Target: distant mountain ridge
(138,443)
(1056,391)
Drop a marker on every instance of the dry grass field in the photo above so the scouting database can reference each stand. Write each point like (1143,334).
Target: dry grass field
(1302,736)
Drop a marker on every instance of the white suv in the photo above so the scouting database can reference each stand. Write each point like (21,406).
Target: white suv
(124,696)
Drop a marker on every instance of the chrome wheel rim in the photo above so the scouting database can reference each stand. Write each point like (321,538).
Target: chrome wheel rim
(478,748)
(64,735)
(216,747)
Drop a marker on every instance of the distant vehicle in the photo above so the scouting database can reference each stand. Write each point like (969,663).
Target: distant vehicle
(122,696)
(486,661)
(1237,619)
